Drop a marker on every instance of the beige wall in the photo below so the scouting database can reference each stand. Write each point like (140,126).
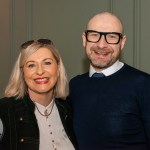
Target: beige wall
(63,22)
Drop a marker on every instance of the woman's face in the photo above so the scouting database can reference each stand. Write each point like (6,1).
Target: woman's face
(41,72)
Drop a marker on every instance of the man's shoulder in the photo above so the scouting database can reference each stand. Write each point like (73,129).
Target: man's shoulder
(135,71)
(80,77)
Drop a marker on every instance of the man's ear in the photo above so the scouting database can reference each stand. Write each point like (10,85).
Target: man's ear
(123,41)
(83,39)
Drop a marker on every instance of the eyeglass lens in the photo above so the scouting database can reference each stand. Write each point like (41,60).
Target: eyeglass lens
(110,37)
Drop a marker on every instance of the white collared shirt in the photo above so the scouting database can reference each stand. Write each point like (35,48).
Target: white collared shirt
(52,133)
(108,71)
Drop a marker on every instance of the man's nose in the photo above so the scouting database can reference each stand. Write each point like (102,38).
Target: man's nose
(102,42)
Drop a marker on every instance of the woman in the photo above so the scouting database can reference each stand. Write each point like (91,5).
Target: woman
(34,115)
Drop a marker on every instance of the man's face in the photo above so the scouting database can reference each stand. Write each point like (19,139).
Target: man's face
(101,54)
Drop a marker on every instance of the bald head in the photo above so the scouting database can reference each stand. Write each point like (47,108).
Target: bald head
(105,22)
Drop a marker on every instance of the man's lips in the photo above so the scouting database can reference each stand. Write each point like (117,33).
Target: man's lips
(42,80)
(101,53)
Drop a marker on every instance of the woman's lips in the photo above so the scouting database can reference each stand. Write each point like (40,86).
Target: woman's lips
(41,80)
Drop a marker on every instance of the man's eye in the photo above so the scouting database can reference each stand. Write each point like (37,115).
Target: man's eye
(94,34)
(112,36)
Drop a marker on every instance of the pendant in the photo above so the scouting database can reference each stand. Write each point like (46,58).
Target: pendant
(46,114)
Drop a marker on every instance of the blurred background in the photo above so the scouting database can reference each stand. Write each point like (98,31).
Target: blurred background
(63,21)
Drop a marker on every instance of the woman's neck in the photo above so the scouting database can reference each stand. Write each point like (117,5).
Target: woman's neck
(43,99)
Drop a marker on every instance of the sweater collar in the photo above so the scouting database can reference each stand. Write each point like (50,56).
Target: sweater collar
(108,71)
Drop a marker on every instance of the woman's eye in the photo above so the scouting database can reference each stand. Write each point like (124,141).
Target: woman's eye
(31,65)
(47,63)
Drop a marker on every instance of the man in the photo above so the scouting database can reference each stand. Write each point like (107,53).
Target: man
(110,112)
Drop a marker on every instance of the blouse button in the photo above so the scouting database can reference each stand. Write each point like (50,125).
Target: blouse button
(21,119)
(22,140)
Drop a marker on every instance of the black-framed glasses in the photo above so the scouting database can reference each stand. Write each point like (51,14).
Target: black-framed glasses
(42,41)
(110,37)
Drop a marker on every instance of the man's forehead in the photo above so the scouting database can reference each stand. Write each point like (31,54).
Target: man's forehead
(105,22)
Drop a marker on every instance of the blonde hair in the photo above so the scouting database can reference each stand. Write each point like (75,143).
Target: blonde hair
(17,86)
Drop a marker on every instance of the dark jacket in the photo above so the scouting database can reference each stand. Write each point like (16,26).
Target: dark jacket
(20,128)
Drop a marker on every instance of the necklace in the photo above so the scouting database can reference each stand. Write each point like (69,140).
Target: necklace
(46,114)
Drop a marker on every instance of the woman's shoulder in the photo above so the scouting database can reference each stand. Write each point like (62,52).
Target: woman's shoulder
(63,104)
(7,101)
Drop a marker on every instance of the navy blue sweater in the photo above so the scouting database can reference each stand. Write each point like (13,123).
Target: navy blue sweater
(113,112)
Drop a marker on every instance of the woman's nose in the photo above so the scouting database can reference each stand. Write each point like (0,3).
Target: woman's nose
(40,70)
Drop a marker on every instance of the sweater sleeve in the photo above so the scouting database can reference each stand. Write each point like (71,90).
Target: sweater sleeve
(145,108)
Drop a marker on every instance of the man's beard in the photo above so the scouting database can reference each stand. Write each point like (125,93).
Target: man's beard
(100,64)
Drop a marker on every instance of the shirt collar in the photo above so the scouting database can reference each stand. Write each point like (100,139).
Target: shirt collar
(43,108)
(108,71)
